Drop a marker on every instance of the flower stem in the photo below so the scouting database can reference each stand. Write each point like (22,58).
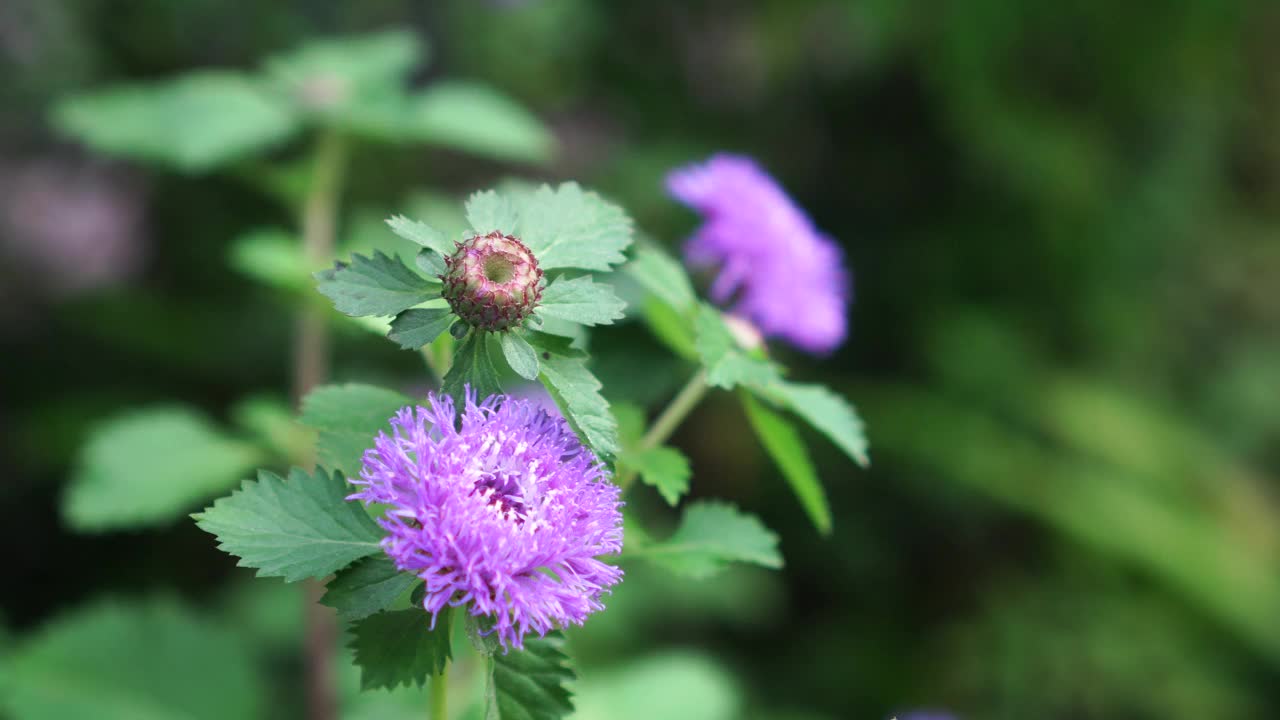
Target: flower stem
(440,695)
(310,367)
(667,422)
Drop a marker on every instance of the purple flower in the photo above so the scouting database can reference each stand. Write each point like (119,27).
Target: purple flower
(778,271)
(505,514)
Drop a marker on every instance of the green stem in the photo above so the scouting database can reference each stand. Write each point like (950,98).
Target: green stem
(681,405)
(440,694)
(310,368)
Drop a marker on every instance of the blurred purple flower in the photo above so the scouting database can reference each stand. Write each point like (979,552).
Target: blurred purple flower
(775,268)
(504,514)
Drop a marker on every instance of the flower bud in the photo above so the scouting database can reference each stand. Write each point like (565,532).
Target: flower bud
(492,282)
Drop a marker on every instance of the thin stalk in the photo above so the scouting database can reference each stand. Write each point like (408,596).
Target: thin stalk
(440,694)
(681,405)
(310,368)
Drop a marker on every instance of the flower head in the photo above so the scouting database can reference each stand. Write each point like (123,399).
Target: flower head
(775,268)
(493,281)
(504,512)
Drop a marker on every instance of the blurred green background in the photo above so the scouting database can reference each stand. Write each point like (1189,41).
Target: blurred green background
(1062,222)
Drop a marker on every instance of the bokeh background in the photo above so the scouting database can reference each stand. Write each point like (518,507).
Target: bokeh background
(1062,222)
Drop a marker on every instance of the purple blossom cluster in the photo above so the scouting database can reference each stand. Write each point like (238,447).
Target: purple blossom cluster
(775,268)
(501,510)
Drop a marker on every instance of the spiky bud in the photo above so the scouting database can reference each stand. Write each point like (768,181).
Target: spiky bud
(492,281)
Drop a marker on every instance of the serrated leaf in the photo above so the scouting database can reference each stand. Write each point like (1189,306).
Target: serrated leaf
(529,684)
(520,355)
(399,647)
(348,418)
(711,535)
(194,123)
(664,468)
(419,326)
(473,366)
(150,467)
(431,263)
(152,660)
(381,285)
(572,228)
(784,445)
(726,364)
(369,586)
(672,328)
(271,256)
(420,233)
(577,393)
(488,211)
(664,276)
(296,528)
(581,300)
(825,411)
(478,119)
(554,343)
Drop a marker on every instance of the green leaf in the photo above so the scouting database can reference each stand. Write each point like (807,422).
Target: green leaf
(786,448)
(431,263)
(419,326)
(711,535)
(381,285)
(488,211)
(193,123)
(520,355)
(825,411)
(554,344)
(271,256)
(665,468)
(572,228)
(272,422)
(577,393)
(420,233)
(369,586)
(529,684)
(662,275)
(152,660)
(400,647)
(348,418)
(478,119)
(150,467)
(727,365)
(672,327)
(472,365)
(582,301)
(299,528)
(630,419)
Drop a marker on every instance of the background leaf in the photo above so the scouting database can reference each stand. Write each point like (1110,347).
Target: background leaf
(711,535)
(149,467)
(478,119)
(153,660)
(349,417)
(194,123)
(664,276)
(826,411)
(726,363)
(299,528)
(784,445)
(488,210)
(664,468)
(400,647)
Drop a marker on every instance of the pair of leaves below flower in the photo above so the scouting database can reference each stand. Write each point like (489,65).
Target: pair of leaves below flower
(711,535)
(728,365)
(529,684)
(400,647)
(565,227)
(348,418)
(297,528)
